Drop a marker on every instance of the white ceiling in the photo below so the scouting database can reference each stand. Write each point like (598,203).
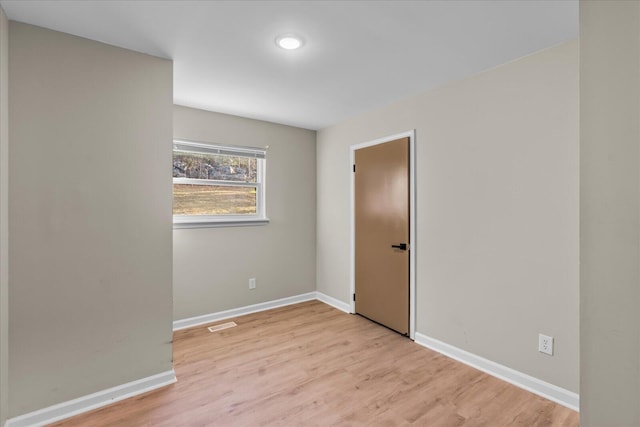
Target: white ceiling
(358,55)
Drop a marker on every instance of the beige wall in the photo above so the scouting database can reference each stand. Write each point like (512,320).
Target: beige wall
(212,266)
(609,207)
(4,238)
(497,210)
(90,217)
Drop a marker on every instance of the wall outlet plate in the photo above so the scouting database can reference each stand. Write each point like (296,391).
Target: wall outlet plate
(252,283)
(545,344)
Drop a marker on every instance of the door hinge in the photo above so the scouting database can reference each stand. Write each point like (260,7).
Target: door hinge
(354,167)
(354,296)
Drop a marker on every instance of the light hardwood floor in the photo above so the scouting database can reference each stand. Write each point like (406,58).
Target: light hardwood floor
(311,365)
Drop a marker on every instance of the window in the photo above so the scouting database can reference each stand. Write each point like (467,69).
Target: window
(215,185)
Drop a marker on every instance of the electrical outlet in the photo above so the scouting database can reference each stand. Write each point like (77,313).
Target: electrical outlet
(545,344)
(252,283)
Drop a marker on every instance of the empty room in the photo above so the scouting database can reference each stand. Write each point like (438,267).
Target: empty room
(319,213)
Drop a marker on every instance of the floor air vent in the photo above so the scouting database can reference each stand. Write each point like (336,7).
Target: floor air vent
(222,326)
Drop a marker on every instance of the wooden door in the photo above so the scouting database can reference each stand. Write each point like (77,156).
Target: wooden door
(382,233)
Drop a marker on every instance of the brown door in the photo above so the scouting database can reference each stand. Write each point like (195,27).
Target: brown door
(381,230)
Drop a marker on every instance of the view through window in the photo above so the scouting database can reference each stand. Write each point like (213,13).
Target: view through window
(217,182)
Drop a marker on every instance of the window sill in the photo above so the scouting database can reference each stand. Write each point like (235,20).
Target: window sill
(208,223)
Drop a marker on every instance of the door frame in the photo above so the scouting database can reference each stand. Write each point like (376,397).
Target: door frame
(411,134)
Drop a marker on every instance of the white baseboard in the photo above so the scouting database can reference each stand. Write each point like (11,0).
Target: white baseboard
(547,390)
(335,303)
(241,311)
(268,305)
(93,401)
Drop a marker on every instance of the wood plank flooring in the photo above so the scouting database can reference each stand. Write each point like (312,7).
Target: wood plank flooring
(311,365)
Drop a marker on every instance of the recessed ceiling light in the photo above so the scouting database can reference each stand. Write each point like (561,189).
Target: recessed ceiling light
(289,41)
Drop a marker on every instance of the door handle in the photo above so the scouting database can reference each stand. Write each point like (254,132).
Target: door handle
(401,246)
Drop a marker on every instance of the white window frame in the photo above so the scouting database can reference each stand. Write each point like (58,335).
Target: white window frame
(205,221)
